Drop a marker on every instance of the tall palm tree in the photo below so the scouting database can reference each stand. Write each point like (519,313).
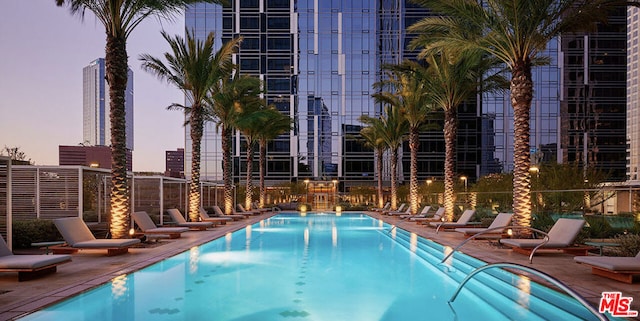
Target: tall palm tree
(453,80)
(120,18)
(372,136)
(394,127)
(251,116)
(194,67)
(224,108)
(276,124)
(516,32)
(408,92)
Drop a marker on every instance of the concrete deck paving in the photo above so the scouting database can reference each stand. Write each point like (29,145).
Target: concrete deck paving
(92,268)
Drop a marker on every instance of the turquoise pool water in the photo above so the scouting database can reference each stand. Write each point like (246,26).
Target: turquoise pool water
(317,267)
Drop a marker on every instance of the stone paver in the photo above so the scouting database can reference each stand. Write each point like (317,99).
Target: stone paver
(91,268)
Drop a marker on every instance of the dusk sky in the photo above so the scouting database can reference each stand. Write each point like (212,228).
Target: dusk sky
(43,49)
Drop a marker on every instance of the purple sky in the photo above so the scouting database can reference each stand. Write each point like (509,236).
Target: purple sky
(43,49)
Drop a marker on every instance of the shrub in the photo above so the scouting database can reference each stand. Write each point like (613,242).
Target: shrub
(629,244)
(26,232)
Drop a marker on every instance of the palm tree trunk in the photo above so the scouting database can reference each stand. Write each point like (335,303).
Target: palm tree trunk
(379,155)
(226,169)
(196,122)
(263,169)
(249,190)
(394,179)
(450,133)
(414,145)
(521,95)
(116,63)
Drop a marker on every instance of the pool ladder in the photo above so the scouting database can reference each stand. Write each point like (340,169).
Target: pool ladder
(539,273)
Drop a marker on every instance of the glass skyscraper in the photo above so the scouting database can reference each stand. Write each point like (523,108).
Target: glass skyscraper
(95,106)
(319,59)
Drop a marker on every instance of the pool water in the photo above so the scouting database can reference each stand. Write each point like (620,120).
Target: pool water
(315,267)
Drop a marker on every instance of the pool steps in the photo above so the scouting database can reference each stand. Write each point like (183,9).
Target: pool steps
(496,282)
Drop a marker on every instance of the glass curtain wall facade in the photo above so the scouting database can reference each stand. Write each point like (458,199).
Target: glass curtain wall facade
(633,95)
(496,139)
(96,122)
(319,60)
(594,97)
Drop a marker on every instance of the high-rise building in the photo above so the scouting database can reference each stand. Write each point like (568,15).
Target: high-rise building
(319,60)
(633,94)
(93,156)
(174,163)
(593,104)
(95,101)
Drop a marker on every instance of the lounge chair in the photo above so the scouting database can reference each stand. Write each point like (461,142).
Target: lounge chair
(242,210)
(399,209)
(382,209)
(148,227)
(614,267)
(502,220)
(29,266)
(422,213)
(78,237)
(256,207)
(177,217)
(216,220)
(235,217)
(561,236)
(406,211)
(436,217)
(463,221)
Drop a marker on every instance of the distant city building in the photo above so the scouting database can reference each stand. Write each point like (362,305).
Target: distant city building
(91,156)
(594,93)
(633,94)
(174,163)
(95,101)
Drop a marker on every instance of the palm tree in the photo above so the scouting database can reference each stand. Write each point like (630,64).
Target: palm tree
(372,137)
(224,108)
(408,92)
(516,33)
(276,124)
(120,18)
(393,128)
(251,116)
(453,80)
(194,67)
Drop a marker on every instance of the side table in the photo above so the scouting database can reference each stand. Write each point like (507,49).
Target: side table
(46,245)
(600,245)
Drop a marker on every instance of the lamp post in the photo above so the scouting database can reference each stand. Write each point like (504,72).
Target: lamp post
(429,182)
(466,196)
(306,187)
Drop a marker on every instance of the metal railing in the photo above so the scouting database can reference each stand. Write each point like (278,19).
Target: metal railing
(539,273)
(545,240)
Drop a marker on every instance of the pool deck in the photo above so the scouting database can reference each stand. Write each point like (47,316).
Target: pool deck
(91,268)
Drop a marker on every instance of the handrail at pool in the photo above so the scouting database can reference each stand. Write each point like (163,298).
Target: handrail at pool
(539,273)
(545,240)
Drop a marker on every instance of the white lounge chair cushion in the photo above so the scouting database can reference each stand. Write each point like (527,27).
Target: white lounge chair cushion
(148,226)
(612,263)
(502,220)
(562,234)
(26,262)
(73,230)
(462,221)
(76,233)
(177,217)
(9,261)
(105,243)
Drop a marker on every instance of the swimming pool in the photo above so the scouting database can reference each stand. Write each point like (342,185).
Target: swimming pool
(316,267)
